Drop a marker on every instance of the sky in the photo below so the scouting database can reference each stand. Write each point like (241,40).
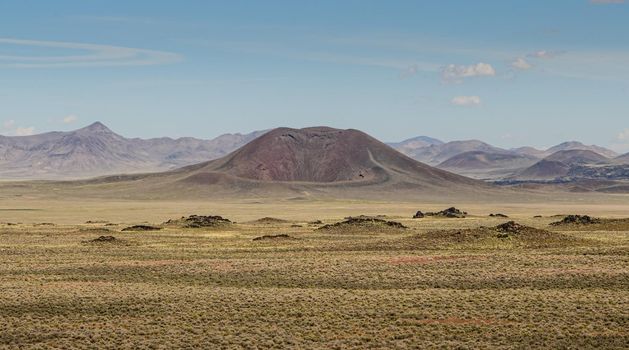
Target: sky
(508,72)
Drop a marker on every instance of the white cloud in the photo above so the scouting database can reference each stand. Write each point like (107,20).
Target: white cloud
(20,131)
(466,101)
(456,73)
(544,54)
(8,124)
(94,55)
(521,63)
(70,119)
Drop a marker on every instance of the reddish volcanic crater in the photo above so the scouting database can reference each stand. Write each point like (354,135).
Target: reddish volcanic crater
(324,155)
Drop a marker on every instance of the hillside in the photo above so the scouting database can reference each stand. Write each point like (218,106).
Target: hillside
(96,150)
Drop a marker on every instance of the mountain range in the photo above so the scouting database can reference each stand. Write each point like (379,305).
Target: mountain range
(95,150)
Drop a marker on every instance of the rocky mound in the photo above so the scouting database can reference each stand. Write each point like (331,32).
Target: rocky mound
(363,224)
(141,228)
(269,221)
(451,212)
(576,220)
(199,221)
(282,236)
(104,239)
(508,234)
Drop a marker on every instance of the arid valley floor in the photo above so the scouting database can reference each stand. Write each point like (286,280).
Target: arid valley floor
(433,284)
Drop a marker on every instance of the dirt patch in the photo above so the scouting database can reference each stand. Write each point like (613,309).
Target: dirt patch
(421,260)
(100,230)
(280,237)
(45,224)
(141,228)
(97,222)
(576,220)
(199,221)
(364,224)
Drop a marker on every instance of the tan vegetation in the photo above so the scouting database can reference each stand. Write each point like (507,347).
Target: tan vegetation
(64,286)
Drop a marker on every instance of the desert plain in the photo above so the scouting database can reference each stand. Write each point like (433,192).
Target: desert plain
(273,278)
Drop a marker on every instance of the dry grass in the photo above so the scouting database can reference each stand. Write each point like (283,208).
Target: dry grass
(217,288)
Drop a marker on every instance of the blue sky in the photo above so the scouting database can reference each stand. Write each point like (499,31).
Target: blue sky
(507,72)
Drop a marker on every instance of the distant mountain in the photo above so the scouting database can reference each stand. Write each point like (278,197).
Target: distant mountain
(487,165)
(578,156)
(529,151)
(544,170)
(437,153)
(414,143)
(567,163)
(575,145)
(96,150)
(623,159)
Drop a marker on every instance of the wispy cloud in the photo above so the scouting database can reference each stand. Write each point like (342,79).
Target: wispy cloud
(410,71)
(454,73)
(544,54)
(69,119)
(22,131)
(332,56)
(466,101)
(8,124)
(118,19)
(9,128)
(621,142)
(623,135)
(95,55)
(521,64)
(606,2)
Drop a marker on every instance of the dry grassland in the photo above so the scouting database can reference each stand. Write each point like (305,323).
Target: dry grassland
(220,288)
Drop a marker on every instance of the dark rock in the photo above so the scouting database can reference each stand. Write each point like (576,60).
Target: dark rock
(451,212)
(104,239)
(197,221)
(510,227)
(273,237)
(141,228)
(576,220)
(418,215)
(498,215)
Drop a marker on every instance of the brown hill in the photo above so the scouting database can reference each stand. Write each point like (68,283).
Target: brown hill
(572,157)
(324,155)
(298,163)
(544,170)
(623,159)
(437,153)
(562,164)
(479,164)
(575,145)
